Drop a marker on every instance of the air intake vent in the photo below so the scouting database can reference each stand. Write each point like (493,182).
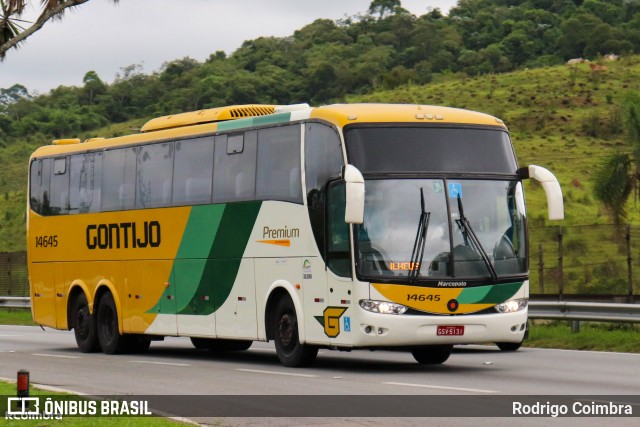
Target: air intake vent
(252,111)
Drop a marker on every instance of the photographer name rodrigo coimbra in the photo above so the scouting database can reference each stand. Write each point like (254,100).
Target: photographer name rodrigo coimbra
(574,410)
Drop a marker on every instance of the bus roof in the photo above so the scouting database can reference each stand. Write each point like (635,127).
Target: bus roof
(238,117)
(345,114)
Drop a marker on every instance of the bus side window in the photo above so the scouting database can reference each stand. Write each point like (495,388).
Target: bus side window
(85,178)
(155,169)
(59,199)
(234,169)
(338,254)
(118,179)
(193,172)
(278,174)
(39,186)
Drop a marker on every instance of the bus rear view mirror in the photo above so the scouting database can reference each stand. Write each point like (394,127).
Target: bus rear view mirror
(354,209)
(551,188)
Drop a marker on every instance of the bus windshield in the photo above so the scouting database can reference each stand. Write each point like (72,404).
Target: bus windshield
(475,230)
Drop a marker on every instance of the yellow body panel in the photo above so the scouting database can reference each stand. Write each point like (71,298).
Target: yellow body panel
(87,255)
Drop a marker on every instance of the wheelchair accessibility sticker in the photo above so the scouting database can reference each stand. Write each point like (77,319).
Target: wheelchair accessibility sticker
(455,190)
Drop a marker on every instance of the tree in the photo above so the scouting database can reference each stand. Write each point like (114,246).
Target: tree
(620,173)
(11,31)
(384,8)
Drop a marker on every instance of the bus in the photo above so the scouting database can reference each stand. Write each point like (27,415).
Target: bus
(349,226)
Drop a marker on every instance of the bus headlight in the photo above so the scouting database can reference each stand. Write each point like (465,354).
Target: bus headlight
(383,307)
(512,305)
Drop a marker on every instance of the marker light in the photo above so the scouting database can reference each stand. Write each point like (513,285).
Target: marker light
(23,383)
(382,307)
(512,306)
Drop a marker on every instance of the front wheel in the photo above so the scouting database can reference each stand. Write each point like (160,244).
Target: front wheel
(432,354)
(285,332)
(509,346)
(84,325)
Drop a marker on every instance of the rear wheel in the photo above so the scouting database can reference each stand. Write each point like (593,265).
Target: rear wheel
(84,325)
(285,332)
(109,336)
(432,354)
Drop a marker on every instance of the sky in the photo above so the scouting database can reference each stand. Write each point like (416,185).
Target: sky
(104,37)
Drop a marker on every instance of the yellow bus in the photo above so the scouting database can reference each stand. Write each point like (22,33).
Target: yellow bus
(343,226)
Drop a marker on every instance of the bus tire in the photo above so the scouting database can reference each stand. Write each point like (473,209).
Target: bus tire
(84,325)
(290,351)
(432,354)
(509,346)
(109,336)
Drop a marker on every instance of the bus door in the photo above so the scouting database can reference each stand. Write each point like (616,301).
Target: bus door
(337,315)
(315,297)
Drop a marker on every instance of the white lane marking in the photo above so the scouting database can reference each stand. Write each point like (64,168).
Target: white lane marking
(159,363)
(10,335)
(438,387)
(60,356)
(257,371)
(270,350)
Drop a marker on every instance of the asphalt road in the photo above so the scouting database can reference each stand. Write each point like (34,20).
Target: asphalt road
(174,367)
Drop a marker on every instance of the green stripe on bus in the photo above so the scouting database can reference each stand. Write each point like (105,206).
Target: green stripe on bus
(254,121)
(492,294)
(209,256)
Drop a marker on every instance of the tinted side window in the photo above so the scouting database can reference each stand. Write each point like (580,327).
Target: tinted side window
(59,201)
(155,169)
(118,179)
(338,255)
(234,172)
(39,185)
(278,174)
(193,171)
(85,177)
(322,162)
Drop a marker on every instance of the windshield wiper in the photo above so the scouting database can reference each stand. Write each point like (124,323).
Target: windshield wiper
(421,239)
(470,237)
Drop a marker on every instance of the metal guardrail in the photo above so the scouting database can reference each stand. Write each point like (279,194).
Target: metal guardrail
(555,310)
(594,311)
(15,302)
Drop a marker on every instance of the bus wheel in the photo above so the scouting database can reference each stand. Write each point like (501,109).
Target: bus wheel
(110,339)
(288,347)
(509,346)
(84,325)
(432,354)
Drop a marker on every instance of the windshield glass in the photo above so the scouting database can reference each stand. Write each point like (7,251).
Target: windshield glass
(493,211)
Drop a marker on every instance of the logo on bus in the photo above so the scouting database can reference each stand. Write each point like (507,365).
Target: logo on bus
(123,235)
(331,320)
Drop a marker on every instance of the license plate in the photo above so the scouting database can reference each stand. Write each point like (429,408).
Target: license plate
(450,330)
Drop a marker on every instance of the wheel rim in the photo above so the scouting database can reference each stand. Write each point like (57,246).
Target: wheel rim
(286,331)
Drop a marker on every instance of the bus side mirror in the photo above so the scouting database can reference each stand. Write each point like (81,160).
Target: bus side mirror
(551,187)
(354,188)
